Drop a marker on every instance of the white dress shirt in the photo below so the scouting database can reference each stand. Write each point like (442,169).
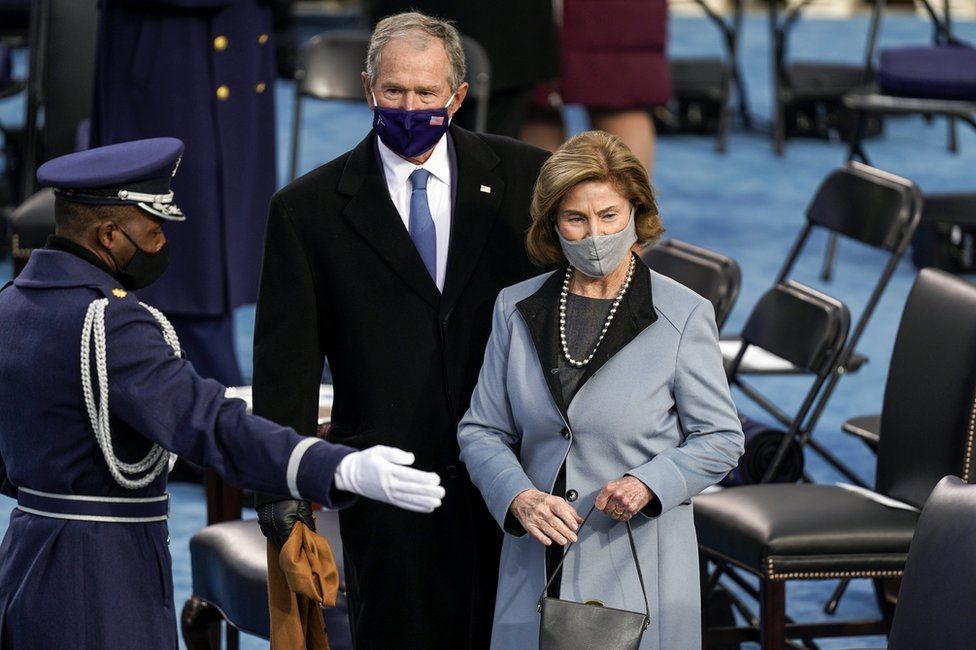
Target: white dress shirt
(397,172)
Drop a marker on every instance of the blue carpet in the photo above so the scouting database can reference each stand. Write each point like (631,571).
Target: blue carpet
(748,203)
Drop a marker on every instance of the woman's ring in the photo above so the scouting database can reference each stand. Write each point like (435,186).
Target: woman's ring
(617,513)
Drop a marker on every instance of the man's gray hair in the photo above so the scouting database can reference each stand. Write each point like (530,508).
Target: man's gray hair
(421,28)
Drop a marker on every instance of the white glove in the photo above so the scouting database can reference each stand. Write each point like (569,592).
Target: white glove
(379,473)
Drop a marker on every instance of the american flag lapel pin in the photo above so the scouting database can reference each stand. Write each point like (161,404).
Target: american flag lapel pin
(486,189)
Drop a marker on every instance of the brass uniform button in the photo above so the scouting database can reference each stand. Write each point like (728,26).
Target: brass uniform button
(223,92)
(262,39)
(259,88)
(220,43)
(572,495)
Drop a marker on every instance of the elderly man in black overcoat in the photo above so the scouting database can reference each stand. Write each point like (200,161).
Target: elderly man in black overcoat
(387,261)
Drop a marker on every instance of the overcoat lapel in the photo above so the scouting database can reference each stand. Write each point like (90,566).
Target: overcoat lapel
(541,314)
(540,311)
(478,194)
(372,214)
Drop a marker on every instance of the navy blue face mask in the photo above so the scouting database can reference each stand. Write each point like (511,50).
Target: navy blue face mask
(410,133)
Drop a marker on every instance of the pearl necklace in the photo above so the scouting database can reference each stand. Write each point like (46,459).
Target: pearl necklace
(613,310)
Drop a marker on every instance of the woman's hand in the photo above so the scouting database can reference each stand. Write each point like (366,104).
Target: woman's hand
(624,497)
(546,517)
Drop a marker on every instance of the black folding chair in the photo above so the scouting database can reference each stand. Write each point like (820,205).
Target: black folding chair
(781,532)
(711,275)
(330,67)
(906,96)
(866,205)
(912,92)
(61,76)
(801,327)
(702,82)
(810,93)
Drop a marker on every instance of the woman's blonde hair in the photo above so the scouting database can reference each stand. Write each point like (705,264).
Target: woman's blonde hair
(589,156)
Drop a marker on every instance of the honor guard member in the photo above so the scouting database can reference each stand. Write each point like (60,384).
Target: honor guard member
(87,431)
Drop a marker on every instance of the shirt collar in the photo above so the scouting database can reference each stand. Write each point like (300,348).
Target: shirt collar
(398,170)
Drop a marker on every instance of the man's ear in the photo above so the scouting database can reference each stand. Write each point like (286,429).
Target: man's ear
(367,91)
(107,233)
(459,96)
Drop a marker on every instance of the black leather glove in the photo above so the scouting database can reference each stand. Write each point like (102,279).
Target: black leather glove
(277,518)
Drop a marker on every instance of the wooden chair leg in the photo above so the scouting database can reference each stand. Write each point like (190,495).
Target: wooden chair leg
(772,615)
(200,624)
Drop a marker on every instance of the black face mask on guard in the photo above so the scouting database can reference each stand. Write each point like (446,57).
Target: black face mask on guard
(144,268)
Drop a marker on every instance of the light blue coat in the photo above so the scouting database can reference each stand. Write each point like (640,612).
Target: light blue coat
(658,409)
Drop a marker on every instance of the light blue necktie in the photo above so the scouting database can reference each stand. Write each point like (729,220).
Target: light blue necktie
(422,223)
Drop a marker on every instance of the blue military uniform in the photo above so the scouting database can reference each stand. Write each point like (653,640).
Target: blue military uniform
(202,71)
(85,561)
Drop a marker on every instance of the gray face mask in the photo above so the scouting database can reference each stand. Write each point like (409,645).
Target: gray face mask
(598,255)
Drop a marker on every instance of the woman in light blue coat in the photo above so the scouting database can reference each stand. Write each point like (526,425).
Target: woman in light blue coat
(602,384)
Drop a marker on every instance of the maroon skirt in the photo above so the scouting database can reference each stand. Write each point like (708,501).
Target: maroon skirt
(614,55)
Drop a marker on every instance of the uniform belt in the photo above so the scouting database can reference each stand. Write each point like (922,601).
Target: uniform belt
(132,510)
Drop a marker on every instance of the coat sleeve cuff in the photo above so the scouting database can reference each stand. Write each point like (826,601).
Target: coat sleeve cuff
(664,479)
(506,487)
(315,473)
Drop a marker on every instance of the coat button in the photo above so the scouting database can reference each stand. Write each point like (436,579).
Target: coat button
(262,39)
(259,88)
(223,92)
(565,433)
(451,471)
(572,495)
(220,43)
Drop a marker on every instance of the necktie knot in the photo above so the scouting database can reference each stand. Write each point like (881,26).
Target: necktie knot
(418,179)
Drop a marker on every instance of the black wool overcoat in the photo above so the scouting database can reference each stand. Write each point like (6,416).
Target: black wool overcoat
(342,279)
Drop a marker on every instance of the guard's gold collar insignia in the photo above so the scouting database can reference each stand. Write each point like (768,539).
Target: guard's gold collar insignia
(119,293)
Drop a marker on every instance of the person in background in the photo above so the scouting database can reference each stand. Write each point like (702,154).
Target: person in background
(519,38)
(87,431)
(202,71)
(614,63)
(602,388)
(386,261)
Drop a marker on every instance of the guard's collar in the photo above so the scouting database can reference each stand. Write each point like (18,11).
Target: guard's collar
(49,268)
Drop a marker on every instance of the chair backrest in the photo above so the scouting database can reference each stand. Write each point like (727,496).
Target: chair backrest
(62,70)
(331,63)
(937,600)
(869,205)
(31,223)
(799,324)
(711,275)
(478,78)
(928,419)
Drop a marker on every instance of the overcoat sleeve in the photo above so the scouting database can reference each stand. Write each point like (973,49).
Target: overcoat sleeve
(288,355)
(488,435)
(712,432)
(287,344)
(161,396)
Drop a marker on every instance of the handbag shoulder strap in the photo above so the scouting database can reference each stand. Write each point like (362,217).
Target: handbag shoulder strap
(633,550)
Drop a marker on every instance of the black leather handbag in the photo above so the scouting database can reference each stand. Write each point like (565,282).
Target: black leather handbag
(570,625)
